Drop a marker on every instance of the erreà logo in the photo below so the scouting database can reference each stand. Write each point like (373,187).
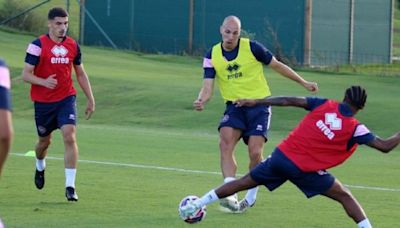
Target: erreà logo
(59,52)
(331,123)
(233,71)
(233,67)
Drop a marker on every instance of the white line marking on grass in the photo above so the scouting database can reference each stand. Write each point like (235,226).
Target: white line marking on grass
(193,171)
(373,188)
(150,167)
(132,165)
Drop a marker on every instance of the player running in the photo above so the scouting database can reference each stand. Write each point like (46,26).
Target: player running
(48,63)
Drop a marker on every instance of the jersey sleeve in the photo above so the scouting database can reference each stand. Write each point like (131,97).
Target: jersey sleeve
(33,52)
(362,135)
(208,67)
(261,53)
(78,57)
(314,102)
(5,85)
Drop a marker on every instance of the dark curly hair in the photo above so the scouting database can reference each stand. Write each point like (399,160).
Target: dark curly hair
(356,96)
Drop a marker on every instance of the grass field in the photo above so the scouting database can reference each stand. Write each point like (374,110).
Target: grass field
(43,9)
(145,149)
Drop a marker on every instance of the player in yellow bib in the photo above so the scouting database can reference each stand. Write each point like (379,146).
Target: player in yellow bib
(237,66)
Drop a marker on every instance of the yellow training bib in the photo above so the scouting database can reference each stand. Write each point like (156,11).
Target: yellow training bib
(242,77)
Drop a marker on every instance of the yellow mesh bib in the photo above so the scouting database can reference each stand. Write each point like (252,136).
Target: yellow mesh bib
(242,77)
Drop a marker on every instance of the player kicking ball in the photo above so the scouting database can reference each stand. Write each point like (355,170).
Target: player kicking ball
(325,138)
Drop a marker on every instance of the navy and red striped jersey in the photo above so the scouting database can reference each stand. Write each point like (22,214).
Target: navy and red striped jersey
(325,137)
(50,58)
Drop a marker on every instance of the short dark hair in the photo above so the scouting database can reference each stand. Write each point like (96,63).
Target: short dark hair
(57,12)
(356,96)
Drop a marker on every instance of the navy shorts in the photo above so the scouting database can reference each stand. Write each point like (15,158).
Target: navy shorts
(250,120)
(50,116)
(5,98)
(277,169)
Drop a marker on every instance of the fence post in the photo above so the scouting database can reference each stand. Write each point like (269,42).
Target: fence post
(191,15)
(307,33)
(81,22)
(351,32)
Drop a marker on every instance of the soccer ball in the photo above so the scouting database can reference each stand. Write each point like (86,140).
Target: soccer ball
(198,216)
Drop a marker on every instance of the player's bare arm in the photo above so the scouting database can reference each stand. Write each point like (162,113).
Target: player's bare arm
(291,74)
(204,95)
(28,76)
(385,145)
(274,101)
(83,81)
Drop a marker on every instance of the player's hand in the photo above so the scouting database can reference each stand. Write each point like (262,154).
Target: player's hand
(245,102)
(50,82)
(311,86)
(198,105)
(90,107)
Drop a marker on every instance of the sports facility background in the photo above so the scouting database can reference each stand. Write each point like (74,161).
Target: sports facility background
(146,148)
(316,33)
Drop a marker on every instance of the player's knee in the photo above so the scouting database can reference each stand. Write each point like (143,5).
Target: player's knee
(6,136)
(255,156)
(346,195)
(69,139)
(343,194)
(226,145)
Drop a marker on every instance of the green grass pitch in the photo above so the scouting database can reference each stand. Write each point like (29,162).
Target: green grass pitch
(145,149)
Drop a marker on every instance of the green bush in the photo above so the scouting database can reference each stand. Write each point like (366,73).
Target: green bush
(30,21)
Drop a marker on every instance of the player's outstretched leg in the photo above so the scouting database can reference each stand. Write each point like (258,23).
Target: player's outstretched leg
(350,204)
(223,191)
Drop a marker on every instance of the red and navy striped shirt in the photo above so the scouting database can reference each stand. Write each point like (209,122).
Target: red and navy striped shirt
(326,136)
(49,58)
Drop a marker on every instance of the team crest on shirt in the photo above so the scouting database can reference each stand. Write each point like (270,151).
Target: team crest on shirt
(233,71)
(60,53)
(332,122)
